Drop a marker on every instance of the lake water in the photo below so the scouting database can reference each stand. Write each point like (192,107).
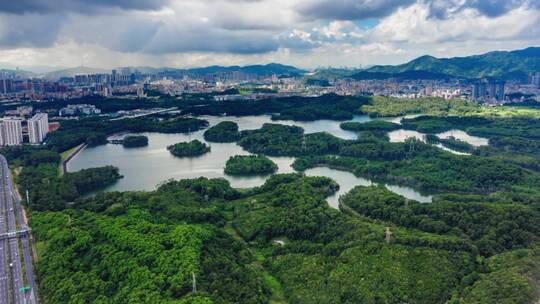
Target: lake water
(475,141)
(256,122)
(145,168)
(347,181)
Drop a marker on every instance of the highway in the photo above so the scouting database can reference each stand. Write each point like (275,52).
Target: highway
(4,264)
(17,230)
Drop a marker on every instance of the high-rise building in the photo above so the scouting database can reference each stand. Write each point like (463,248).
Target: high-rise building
(38,127)
(535,79)
(486,89)
(478,90)
(11,132)
(6,86)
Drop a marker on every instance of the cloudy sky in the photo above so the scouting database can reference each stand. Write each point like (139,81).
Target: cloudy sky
(305,33)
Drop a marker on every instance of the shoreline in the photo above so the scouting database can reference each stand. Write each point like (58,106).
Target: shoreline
(63,165)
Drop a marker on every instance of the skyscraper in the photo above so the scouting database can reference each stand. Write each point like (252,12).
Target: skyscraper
(488,89)
(11,132)
(38,127)
(535,79)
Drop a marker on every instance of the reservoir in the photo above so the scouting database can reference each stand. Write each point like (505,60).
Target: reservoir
(145,168)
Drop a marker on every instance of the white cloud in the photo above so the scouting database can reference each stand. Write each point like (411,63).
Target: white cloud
(203,32)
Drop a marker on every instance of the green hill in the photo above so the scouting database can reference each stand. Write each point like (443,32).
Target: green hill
(506,65)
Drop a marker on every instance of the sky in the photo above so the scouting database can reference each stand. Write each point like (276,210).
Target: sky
(49,34)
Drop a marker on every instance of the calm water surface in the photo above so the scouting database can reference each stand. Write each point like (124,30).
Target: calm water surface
(475,141)
(145,168)
(347,181)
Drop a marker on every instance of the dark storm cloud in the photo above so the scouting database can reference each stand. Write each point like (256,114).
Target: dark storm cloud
(174,40)
(80,6)
(230,27)
(37,31)
(364,9)
(442,9)
(349,9)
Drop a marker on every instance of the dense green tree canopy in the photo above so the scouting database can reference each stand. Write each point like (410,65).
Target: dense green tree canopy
(134,141)
(225,131)
(186,149)
(250,164)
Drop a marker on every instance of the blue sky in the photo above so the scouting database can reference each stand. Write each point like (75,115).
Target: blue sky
(304,33)
(367,23)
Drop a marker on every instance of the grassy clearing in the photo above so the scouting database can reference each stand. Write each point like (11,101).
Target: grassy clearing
(510,112)
(64,155)
(278,295)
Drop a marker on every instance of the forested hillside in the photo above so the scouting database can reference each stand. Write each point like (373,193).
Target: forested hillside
(507,65)
(477,242)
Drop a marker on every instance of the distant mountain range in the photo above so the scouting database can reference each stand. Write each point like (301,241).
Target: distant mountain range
(261,70)
(268,69)
(506,65)
(16,73)
(74,71)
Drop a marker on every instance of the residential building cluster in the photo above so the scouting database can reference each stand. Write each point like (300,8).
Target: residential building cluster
(79,110)
(488,90)
(129,83)
(13,130)
(534,79)
(38,128)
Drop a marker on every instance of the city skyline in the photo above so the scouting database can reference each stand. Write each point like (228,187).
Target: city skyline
(307,34)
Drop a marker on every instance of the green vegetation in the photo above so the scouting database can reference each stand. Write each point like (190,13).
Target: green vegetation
(432,170)
(48,191)
(135,141)
(381,106)
(144,248)
(249,165)
(375,125)
(507,280)
(508,65)
(143,262)
(225,131)
(187,149)
(29,155)
(456,144)
(280,140)
(478,242)
(94,131)
(411,163)
(110,245)
(333,257)
(329,106)
(514,139)
(495,228)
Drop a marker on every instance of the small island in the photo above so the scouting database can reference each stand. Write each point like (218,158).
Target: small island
(135,141)
(250,165)
(186,149)
(375,125)
(223,132)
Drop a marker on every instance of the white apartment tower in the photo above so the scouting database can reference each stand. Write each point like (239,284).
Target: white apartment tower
(38,127)
(11,132)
